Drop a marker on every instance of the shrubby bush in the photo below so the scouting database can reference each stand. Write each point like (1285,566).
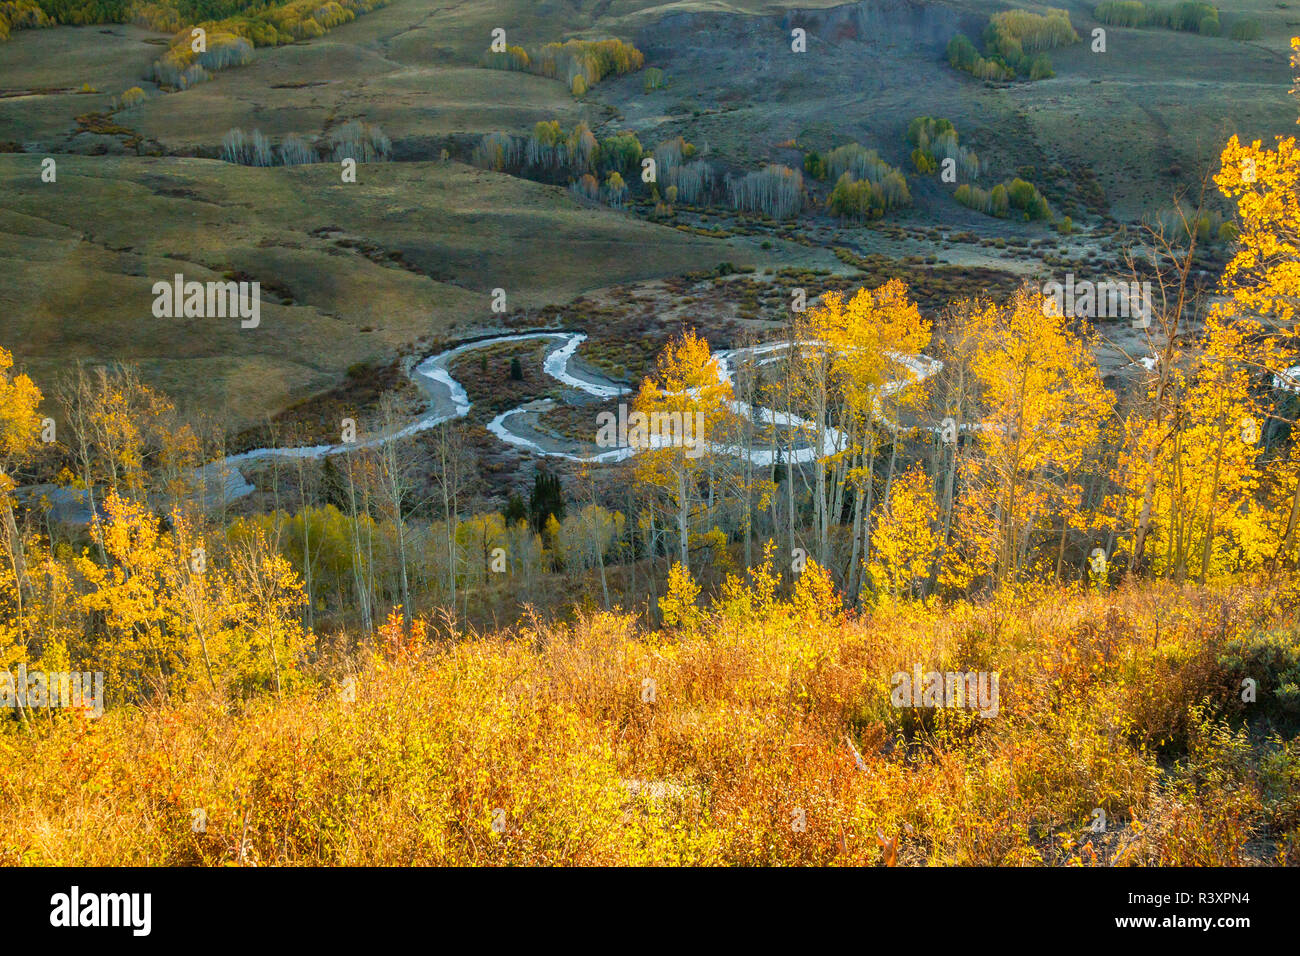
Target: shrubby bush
(1092,713)
(1272,660)
(1209,226)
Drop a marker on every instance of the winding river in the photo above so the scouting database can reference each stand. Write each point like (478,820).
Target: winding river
(447,399)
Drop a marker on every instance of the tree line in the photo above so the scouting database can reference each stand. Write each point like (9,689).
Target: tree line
(1189,16)
(355,139)
(1011,198)
(1015,42)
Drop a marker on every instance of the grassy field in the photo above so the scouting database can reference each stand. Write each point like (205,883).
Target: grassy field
(411,251)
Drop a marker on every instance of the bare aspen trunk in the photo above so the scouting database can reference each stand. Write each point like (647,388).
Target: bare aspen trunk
(1208,548)
(683,515)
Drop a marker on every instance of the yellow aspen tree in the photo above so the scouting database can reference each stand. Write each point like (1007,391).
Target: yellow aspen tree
(270,597)
(678,605)
(906,539)
(1043,407)
(849,378)
(1263,277)
(813,387)
(127,592)
(1206,517)
(686,409)
(873,352)
(19,429)
(955,391)
(1153,416)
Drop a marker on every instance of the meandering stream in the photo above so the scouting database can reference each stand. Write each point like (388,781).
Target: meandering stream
(447,399)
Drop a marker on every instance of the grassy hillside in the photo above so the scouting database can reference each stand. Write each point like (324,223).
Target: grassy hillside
(761,714)
(350,272)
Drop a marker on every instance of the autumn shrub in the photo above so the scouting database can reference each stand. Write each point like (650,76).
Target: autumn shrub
(755,728)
